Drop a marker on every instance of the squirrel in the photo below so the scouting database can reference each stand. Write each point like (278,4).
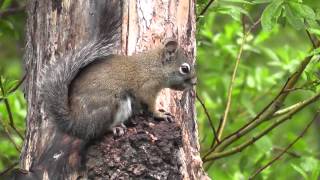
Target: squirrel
(92,90)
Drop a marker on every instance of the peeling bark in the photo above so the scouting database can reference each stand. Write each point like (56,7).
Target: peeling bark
(150,149)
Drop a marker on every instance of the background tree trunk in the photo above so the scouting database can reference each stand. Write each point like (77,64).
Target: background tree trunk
(150,149)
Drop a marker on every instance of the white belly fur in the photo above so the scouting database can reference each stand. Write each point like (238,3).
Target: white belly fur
(123,113)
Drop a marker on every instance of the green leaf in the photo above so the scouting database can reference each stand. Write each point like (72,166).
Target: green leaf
(318,13)
(233,11)
(314,31)
(250,82)
(272,55)
(309,164)
(6,27)
(264,144)
(5,4)
(271,14)
(294,19)
(314,52)
(300,171)
(316,172)
(11,84)
(237,1)
(303,10)
(261,1)
(238,175)
(313,24)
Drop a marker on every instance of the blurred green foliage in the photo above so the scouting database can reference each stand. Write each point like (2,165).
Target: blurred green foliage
(271,53)
(12,20)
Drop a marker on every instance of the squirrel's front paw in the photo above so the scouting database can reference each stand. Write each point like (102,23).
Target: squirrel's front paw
(162,115)
(119,130)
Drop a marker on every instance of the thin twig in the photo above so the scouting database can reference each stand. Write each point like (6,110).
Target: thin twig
(9,136)
(208,165)
(19,83)
(288,109)
(291,153)
(11,11)
(17,86)
(230,90)
(294,89)
(286,149)
(255,99)
(204,9)
(209,119)
(253,26)
(311,39)
(7,105)
(8,169)
(241,91)
(305,86)
(270,109)
(246,144)
(243,24)
(6,102)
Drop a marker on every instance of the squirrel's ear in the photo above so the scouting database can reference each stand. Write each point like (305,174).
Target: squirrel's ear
(171,47)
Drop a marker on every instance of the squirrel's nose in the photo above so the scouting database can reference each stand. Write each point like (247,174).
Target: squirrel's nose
(193,80)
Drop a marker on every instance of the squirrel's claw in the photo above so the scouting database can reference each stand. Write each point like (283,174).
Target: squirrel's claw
(119,130)
(162,115)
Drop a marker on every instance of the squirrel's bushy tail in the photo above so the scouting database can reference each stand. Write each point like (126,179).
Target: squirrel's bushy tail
(56,78)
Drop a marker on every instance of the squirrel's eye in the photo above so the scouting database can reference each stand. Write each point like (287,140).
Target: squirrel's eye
(184,68)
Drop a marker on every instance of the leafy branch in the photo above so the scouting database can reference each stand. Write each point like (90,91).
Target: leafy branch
(229,98)
(8,108)
(268,111)
(5,93)
(209,119)
(317,117)
(301,17)
(11,11)
(247,143)
(204,10)
(8,169)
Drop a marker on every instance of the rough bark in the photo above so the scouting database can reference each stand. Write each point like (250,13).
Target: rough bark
(150,149)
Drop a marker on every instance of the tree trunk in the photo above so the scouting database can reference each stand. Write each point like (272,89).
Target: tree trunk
(149,149)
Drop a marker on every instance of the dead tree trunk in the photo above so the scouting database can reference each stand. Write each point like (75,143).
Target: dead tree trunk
(150,149)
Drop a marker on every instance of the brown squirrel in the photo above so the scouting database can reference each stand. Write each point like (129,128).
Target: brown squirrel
(92,91)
